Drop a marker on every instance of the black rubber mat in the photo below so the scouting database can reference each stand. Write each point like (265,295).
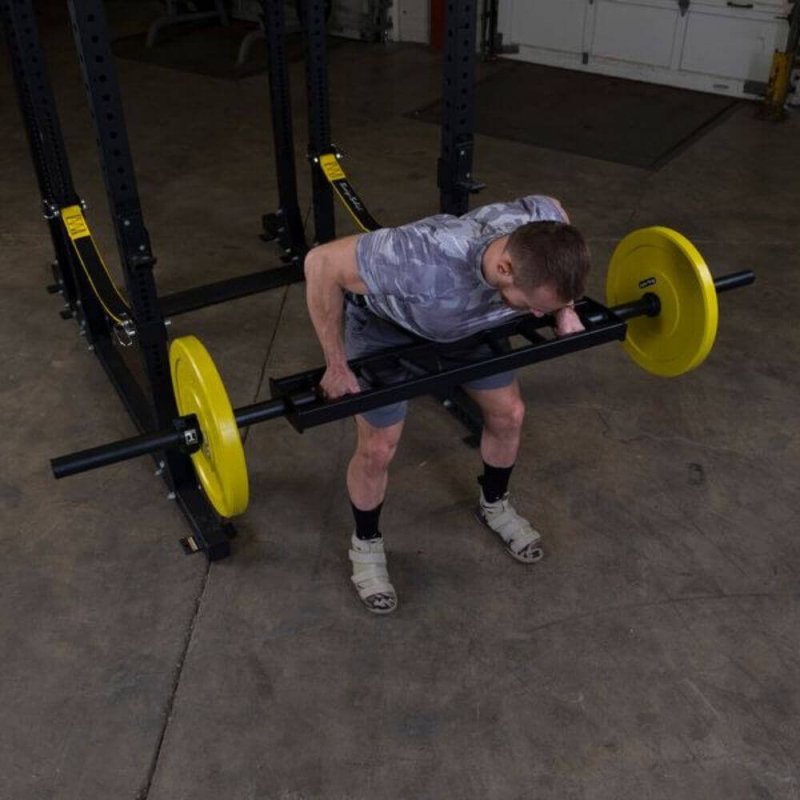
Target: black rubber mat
(205,49)
(629,122)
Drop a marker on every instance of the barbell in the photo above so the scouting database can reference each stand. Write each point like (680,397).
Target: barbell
(662,303)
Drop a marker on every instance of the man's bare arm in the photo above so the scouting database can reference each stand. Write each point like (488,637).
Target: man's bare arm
(331,269)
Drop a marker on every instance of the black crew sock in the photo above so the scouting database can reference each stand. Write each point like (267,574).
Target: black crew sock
(494,481)
(367,522)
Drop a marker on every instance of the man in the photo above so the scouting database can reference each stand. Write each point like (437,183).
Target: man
(443,278)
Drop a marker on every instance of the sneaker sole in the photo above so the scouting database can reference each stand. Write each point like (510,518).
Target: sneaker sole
(381,612)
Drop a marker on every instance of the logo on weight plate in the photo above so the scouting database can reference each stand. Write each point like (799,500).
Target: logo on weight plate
(647,283)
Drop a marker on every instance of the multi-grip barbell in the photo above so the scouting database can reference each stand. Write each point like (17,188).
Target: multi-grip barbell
(657,280)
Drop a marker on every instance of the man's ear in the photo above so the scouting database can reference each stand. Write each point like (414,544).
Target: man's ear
(505,270)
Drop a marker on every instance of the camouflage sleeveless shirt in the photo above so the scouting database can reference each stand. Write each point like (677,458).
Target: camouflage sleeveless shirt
(426,276)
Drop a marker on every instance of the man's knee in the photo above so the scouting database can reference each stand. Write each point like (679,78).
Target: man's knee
(506,417)
(377,446)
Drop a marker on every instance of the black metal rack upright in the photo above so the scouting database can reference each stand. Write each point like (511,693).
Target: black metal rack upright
(454,166)
(286,224)
(137,260)
(45,139)
(455,180)
(319,117)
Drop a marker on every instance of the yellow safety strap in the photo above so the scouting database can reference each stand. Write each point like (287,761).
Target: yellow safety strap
(103,286)
(332,169)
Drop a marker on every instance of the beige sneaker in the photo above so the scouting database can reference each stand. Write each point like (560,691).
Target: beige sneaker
(522,541)
(370,576)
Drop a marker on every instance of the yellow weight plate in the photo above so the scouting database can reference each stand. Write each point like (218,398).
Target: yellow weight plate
(661,261)
(220,462)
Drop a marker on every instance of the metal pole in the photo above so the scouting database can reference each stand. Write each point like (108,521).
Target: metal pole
(605,324)
(458,109)
(287,224)
(319,117)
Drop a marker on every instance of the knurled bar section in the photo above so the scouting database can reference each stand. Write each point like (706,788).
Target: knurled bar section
(37,104)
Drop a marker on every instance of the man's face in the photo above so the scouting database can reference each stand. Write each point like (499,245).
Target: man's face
(539,301)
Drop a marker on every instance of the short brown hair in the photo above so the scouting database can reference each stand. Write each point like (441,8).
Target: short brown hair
(550,253)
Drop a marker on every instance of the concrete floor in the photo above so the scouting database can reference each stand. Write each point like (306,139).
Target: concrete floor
(654,653)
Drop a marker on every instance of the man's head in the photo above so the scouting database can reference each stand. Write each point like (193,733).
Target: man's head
(543,267)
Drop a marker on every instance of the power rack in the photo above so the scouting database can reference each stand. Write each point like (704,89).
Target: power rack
(122,329)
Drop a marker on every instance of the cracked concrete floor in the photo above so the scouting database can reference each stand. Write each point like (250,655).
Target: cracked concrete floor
(653,653)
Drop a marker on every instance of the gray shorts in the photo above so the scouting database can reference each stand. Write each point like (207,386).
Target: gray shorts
(366,334)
